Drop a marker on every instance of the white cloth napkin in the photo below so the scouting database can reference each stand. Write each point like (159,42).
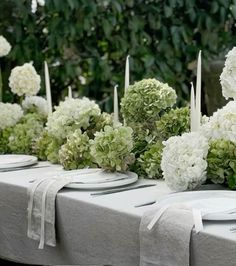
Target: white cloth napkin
(41,209)
(165,233)
(167,243)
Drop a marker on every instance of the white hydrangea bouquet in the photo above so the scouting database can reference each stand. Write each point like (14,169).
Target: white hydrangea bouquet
(26,121)
(209,154)
(68,132)
(5,48)
(24,80)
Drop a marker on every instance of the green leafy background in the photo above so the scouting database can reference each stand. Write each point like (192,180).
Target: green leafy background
(92,38)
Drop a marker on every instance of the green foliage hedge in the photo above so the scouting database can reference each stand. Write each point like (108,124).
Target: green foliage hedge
(92,38)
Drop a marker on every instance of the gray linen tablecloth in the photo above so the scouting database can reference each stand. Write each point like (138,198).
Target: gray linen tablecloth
(95,230)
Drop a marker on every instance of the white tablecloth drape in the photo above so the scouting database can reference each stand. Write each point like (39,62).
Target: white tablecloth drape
(95,230)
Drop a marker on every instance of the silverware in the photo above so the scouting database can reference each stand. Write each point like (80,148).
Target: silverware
(117,190)
(145,204)
(232,229)
(98,181)
(22,168)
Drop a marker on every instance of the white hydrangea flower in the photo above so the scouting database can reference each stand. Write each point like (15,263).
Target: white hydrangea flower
(70,115)
(24,80)
(222,124)
(34,4)
(5,46)
(228,76)
(184,161)
(35,103)
(10,114)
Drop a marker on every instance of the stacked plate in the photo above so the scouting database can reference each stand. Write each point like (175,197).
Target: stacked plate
(14,161)
(215,205)
(96,178)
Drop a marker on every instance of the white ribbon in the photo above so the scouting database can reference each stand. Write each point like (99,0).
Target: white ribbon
(31,199)
(197,218)
(157,216)
(42,229)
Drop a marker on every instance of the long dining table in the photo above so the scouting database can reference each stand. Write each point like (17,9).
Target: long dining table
(102,230)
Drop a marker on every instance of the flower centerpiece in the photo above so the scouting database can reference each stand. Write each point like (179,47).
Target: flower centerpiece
(24,80)
(190,159)
(25,132)
(149,162)
(13,113)
(68,131)
(228,76)
(23,124)
(72,114)
(5,48)
(184,161)
(47,147)
(35,104)
(112,148)
(75,153)
(142,106)
(144,101)
(221,162)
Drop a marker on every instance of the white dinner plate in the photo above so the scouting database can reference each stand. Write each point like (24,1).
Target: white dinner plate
(8,161)
(216,205)
(96,178)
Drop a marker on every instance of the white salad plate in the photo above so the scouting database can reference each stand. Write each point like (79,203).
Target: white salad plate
(215,205)
(9,161)
(96,178)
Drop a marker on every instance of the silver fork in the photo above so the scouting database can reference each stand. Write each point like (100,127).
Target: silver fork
(23,168)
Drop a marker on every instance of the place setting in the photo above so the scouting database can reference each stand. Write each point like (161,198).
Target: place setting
(14,162)
(19,162)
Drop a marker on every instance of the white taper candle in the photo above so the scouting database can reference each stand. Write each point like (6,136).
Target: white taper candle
(69,92)
(48,88)
(116,109)
(198,90)
(192,110)
(127,73)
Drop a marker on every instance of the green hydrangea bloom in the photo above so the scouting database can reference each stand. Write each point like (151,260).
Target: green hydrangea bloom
(47,147)
(221,161)
(99,123)
(173,123)
(4,139)
(75,153)
(142,137)
(24,133)
(149,163)
(111,148)
(144,101)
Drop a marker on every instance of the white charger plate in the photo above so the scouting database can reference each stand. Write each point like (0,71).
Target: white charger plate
(193,197)
(8,161)
(99,179)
